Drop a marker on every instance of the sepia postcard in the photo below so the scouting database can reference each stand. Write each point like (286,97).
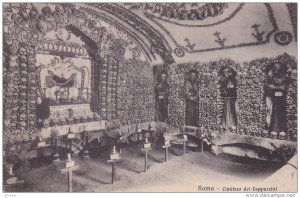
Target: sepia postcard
(150,97)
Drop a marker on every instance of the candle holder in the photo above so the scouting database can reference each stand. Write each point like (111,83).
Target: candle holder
(147,144)
(86,151)
(114,158)
(56,154)
(184,139)
(167,144)
(114,155)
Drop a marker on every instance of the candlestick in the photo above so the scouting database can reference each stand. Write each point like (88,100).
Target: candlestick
(69,157)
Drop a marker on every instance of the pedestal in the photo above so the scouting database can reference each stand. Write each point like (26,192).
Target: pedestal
(69,170)
(113,168)
(185,139)
(86,151)
(166,147)
(146,150)
(56,154)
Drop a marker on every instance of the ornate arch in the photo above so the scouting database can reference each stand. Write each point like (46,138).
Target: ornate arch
(25,28)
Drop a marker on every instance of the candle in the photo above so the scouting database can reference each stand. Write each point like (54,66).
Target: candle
(69,156)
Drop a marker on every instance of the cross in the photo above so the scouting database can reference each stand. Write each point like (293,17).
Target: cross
(114,158)
(70,137)
(146,148)
(55,144)
(166,146)
(70,167)
(184,139)
(113,168)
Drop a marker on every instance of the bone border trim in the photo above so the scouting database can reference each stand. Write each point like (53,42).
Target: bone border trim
(272,19)
(206,25)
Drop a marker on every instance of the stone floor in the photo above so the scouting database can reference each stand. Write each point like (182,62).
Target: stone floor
(182,173)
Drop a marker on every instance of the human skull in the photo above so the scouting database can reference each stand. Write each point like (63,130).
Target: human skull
(23,110)
(282,135)
(265,133)
(213,136)
(274,134)
(68,9)
(76,119)
(23,80)
(32,104)
(46,123)
(23,66)
(23,102)
(23,58)
(59,10)
(32,60)
(14,118)
(23,14)
(83,118)
(23,125)
(17,19)
(70,121)
(17,75)
(23,117)
(97,117)
(90,118)
(47,13)
(294,137)
(73,100)
(33,13)
(15,94)
(15,102)
(246,132)
(13,63)
(62,121)
(32,97)
(32,82)
(33,90)
(13,127)
(54,122)
(22,88)
(14,110)
(23,95)
(23,51)
(32,116)
(42,25)
(24,74)
(32,68)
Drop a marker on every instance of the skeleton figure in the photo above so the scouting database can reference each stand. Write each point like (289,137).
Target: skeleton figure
(33,13)
(162,94)
(17,18)
(229,93)
(47,14)
(59,11)
(275,97)
(192,99)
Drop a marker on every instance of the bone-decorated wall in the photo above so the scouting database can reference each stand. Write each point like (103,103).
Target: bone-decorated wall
(250,104)
(219,62)
(72,57)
